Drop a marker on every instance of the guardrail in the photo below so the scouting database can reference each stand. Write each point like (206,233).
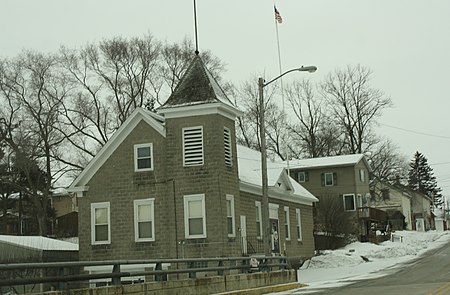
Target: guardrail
(192,267)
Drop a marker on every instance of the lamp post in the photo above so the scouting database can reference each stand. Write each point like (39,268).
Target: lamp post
(262,134)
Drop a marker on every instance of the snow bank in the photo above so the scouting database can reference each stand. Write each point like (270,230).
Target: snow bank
(405,244)
(338,267)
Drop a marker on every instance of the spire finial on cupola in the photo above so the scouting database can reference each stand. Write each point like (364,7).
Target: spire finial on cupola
(195,26)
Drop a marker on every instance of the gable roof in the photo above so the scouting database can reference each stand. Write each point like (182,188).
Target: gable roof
(334,161)
(138,115)
(197,86)
(281,185)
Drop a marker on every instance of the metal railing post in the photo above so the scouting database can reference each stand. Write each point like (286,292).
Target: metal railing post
(283,263)
(61,284)
(192,274)
(116,280)
(220,272)
(160,277)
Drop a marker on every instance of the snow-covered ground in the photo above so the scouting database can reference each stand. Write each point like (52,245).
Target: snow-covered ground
(345,265)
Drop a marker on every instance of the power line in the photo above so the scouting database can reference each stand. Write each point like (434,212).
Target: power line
(415,132)
(442,163)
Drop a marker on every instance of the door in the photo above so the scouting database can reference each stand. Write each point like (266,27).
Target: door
(274,228)
(275,236)
(243,231)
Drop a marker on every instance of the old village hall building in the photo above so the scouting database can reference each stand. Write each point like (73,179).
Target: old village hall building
(167,185)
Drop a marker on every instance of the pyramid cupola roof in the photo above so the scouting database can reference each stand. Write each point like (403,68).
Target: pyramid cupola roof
(197,86)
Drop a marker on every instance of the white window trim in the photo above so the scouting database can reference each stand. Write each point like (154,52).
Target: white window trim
(258,206)
(298,220)
(362,175)
(354,202)
(101,205)
(142,145)
(287,222)
(136,204)
(359,201)
(233,234)
(200,162)
(187,198)
(332,179)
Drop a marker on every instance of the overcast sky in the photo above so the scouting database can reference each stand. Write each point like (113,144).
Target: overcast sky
(406,44)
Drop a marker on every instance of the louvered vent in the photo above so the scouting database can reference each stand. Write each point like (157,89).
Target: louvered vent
(193,146)
(227,146)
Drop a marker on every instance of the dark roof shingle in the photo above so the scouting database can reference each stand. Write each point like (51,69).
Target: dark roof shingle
(197,86)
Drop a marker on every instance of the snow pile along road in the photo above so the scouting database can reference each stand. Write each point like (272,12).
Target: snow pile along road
(342,266)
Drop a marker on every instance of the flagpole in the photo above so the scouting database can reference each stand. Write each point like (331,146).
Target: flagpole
(195,25)
(283,137)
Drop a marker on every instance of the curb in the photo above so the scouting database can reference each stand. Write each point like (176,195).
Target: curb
(265,290)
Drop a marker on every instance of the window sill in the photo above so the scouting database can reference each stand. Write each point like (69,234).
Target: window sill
(144,241)
(104,246)
(195,240)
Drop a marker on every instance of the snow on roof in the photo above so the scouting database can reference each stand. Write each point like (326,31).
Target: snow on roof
(249,163)
(344,160)
(39,243)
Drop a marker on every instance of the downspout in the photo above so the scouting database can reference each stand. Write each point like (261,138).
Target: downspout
(175,216)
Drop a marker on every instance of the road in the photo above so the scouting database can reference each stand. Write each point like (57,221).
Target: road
(429,274)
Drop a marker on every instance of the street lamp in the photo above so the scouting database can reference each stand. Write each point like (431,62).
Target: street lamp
(262,134)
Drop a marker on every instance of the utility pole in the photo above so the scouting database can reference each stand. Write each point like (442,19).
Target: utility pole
(264,181)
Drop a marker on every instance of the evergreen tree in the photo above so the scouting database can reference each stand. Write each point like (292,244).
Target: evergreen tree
(421,179)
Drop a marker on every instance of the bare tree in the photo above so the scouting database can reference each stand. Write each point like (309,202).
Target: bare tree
(32,93)
(248,124)
(355,105)
(113,78)
(311,133)
(388,164)
(332,220)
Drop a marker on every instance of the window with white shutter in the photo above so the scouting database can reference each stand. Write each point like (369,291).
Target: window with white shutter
(193,146)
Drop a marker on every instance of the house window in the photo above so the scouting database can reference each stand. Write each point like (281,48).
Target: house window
(143,157)
(258,219)
(194,216)
(362,175)
(349,202)
(301,176)
(227,146)
(385,193)
(287,227)
(193,146)
(329,179)
(144,226)
(100,223)
(360,201)
(298,222)
(230,216)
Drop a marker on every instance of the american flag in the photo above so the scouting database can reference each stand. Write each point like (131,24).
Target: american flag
(278,17)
